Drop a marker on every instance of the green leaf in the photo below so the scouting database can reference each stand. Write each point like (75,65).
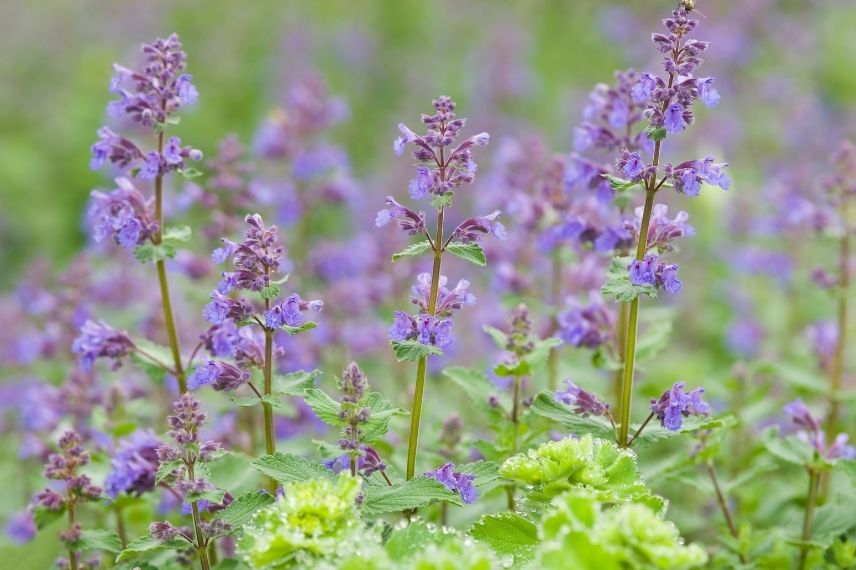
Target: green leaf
(44,516)
(289,468)
(148,544)
(213,496)
(189,173)
(326,408)
(546,406)
(653,339)
(486,475)
(653,432)
(655,133)
(241,509)
(619,184)
(270,292)
(294,383)
(166,468)
(381,412)
(618,283)
(531,363)
(443,201)
(307,326)
(831,521)
(412,250)
(149,252)
(99,539)
(500,339)
(404,542)
(478,388)
(412,350)
(789,449)
(253,400)
(507,533)
(471,252)
(178,233)
(413,494)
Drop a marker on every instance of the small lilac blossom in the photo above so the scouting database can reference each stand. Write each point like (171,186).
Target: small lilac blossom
(661,230)
(115,148)
(586,325)
(675,404)
(21,527)
(643,271)
(123,214)
(812,433)
(220,375)
(472,229)
(222,308)
(455,481)
(584,403)
(289,312)
(824,339)
(100,340)
(448,300)
(257,258)
(134,465)
(411,222)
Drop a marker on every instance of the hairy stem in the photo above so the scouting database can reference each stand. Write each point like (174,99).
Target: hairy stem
(72,554)
(723,503)
(808,519)
(632,320)
(270,440)
(422,365)
(620,347)
(166,302)
(201,547)
(555,299)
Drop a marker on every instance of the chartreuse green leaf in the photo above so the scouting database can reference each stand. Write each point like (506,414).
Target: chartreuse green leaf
(618,283)
(412,350)
(146,545)
(307,326)
(43,516)
(289,468)
(381,413)
(790,449)
(326,408)
(242,509)
(605,471)
(413,494)
(546,406)
(294,383)
(579,533)
(500,339)
(99,539)
(486,475)
(413,250)
(404,542)
(471,252)
(507,533)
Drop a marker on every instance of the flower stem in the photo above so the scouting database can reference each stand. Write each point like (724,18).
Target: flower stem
(120,526)
(515,421)
(72,555)
(620,347)
(555,299)
(201,547)
(808,519)
(422,365)
(270,440)
(166,302)
(639,431)
(723,503)
(837,370)
(632,320)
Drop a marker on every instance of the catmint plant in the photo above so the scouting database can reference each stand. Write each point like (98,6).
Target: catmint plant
(443,167)
(669,105)
(149,96)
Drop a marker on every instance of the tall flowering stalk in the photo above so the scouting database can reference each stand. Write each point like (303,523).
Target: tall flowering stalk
(669,110)
(442,168)
(257,261)
(150,97)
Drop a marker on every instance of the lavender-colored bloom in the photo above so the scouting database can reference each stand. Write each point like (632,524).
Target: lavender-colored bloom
(99,340)
(644,89)
(675,404)
(814,436)
(134,465)
(289,312)
(21,527)
(123,214)
(673,118)
(824,339)
(408,220)
(448,300)
(586,325)
(421,184)
(801,415)
(403,327)
(643,271)
(584,403)
(455,481)
(115,148)
(472,229)
(633,167)
(222,308)
(707,92)
(220,375)
(669,277)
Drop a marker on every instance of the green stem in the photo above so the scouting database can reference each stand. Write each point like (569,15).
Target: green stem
(555,298)
(201,547)
(837,370)
(515,422)
(620,347)
(808,519)
(120,526)
(72,554)
(422,365)
(270,440)
(166,302)
(723,503)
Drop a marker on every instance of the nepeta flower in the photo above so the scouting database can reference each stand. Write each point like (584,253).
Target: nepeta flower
(123,214)
(289,312)
(257,258)
(460,483)
(611,113)
(661,230)
(675,404)
(21,527)
(589,326)
(220,375)
(223,308)
(472,229)
(64,466)
(649,271)
(448,300)
(115,148)
(812,434)
(411,222)
(134,465)
(443,168)
(689,175)
(99,340)
(584,403)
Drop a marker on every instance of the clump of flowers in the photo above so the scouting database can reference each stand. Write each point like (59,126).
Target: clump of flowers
(427,327)
(100,340)
(134,465)
(583,402)
(674,405)
(455,481)
(810,431)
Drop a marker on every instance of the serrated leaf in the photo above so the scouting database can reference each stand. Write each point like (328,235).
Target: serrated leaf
(546,406)
(178,233)
(213,496)
(412,250)
(418,492)
(269,292)
(149,252)
(381,413)
(241,509)
(507,533)
(412,350)
(99,539)
(43,516)
(500,339)
(166,468)
(307,326)
(471,252)
(148,544)
(289,468)
(253,400)
(486,475)
(478,388)
(789,448)
(294,383)
(326,408)
(654,432)
(618,283)
(831,521)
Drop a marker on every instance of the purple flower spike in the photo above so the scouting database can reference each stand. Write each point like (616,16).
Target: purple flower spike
(675,404)
(643,272)
(134,465)
(455,481)
(584,403)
